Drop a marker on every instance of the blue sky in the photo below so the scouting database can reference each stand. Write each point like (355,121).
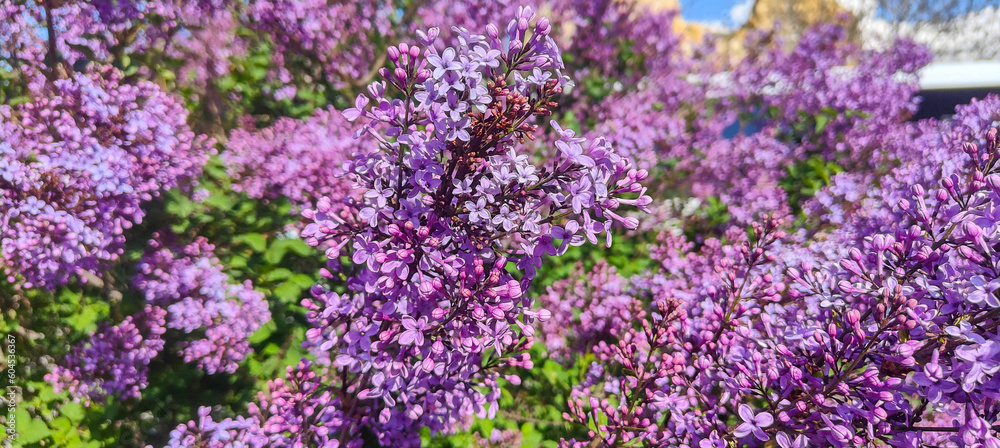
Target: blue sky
(725,11)
(715,10)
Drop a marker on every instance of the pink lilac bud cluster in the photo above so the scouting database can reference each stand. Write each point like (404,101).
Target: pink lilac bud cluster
(79,160)
(114,361)
(653,382)
(297,411)
(191,286)
(302,410)
(448,205)
(299,160)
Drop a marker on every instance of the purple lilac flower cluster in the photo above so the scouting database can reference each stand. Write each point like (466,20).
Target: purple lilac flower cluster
(448,203)
(894,342)
(299,160)
(509,438)
(339,50)
(825,98)
(187,292)
(78,161)
(207,433)
(114,361)
(191,286)
(99,30)
(593,305)
(447,206)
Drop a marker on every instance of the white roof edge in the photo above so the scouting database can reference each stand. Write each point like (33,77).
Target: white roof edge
(960,75)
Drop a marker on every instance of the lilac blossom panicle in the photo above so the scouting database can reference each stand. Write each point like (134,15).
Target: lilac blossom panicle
(191,286)
(892,340)
(78,161)
(451,204)
(508,438)
(207,433)
(447,205)
(114,361)
(185,291)
(592,305)
(336,50)
(299,160)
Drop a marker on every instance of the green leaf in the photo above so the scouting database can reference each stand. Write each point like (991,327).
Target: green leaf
(279,248)
(821,121)
(288,292)
(277,275)
(256,241)
(73,411)
(530,437)
(85,320)
(263,333)
(31,430)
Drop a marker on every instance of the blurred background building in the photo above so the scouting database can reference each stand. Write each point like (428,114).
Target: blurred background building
(964,35)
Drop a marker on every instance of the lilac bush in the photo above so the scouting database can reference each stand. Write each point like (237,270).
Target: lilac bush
(892,343)
(802,263)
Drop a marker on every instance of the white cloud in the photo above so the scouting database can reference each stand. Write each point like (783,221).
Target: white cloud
(740,12)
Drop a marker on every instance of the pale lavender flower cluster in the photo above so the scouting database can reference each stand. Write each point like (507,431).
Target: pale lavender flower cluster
(114,361)
(509,438)
(299,160)
(186,291)
(192,287)
(207,433)
(78,162)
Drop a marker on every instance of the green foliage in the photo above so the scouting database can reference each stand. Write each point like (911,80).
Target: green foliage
(534,407)
(805,178)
